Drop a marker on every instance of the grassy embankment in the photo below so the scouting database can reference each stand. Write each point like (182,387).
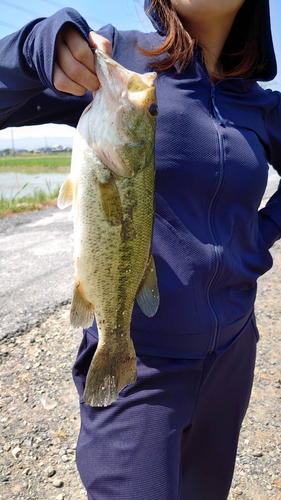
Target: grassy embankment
(33,165)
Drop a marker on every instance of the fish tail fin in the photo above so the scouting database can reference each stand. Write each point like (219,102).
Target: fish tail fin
(81,312)
(109,373)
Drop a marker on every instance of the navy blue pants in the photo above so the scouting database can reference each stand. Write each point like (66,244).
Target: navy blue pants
(173,434)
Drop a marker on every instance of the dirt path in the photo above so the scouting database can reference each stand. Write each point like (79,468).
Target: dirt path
(39,419)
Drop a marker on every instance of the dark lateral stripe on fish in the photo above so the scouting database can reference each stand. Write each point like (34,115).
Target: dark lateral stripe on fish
(111,203)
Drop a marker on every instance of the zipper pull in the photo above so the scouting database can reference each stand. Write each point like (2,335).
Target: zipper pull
(215,110)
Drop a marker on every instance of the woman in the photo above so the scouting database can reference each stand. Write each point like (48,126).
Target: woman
(173,434)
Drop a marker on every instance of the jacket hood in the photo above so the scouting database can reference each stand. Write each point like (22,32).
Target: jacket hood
(266,55)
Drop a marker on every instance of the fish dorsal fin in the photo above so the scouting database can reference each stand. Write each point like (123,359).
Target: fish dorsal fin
(148,295)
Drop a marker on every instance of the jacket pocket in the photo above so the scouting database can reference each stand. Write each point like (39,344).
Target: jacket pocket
(181,296)
(268,229)
(168,245)
(250,256)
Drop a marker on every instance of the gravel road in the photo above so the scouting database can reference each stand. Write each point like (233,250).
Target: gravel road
(35,266)
(39,419)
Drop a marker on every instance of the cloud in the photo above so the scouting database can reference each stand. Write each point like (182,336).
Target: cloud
(49,130)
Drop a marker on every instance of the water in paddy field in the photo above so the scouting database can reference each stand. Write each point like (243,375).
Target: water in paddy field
(12,182)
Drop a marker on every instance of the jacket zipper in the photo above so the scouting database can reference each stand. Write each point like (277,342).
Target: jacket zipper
(217,120)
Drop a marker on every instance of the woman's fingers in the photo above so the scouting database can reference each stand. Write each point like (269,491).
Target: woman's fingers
(65,84)
(79,48)
(74,69)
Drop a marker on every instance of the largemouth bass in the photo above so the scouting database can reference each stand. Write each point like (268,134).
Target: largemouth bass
(111,189)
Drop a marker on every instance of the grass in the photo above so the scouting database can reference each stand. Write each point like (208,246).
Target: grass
(40,161)
(35,201)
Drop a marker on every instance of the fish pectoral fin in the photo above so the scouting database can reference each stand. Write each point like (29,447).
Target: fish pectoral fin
(148,295)
(66,194)
(82,311)
(110,201)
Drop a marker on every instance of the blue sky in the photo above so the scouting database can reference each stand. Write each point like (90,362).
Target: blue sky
(124,14)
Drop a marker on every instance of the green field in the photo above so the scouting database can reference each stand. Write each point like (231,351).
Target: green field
(35,162)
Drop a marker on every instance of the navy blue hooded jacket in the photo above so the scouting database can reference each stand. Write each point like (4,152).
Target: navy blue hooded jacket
(213,146)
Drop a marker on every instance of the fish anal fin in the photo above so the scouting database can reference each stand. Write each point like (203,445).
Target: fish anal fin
(82,311)
(110,201)
(148,295)
(66,193)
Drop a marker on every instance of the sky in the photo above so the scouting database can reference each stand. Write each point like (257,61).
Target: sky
(123,14)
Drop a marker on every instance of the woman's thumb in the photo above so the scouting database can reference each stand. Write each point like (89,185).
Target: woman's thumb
(100,42)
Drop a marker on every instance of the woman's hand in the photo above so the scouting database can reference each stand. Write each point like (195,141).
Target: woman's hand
(74,69)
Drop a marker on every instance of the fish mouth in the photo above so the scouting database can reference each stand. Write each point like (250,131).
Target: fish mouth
(112,76)
(119,83)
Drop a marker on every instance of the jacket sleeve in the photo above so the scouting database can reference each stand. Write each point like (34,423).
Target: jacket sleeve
(270,215)
(27,93)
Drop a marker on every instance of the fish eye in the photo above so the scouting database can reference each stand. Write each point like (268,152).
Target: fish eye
(153,109)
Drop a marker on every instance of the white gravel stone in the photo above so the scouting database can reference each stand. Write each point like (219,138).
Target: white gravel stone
(16,452)
(50,471)
(57,483)
(48,403)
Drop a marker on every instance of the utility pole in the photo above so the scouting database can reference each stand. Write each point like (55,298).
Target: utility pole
(13,145)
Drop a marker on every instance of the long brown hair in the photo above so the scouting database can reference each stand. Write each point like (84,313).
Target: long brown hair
(240,56)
